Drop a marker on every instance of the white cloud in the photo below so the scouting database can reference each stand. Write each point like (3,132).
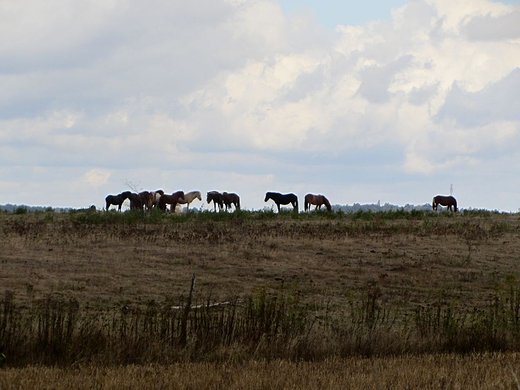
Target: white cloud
(234,94)
(97,177)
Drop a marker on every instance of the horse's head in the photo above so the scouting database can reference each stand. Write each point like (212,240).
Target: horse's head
(267,196)
(212,196)
(126,194)
(326,203)
(198,196)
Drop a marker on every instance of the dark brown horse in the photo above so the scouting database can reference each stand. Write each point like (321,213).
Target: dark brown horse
(282,199)
(449,201)
(172,200)
(117,200)
(216,198)
(136,201)
(145,199)
(231,199)
(316,200)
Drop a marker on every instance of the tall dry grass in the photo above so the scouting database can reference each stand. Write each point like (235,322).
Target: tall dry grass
(265,327)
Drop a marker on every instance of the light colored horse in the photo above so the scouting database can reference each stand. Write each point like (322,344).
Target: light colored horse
(155,197)
(190,197)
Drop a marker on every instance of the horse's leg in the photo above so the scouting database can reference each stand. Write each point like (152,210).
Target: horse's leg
(278,205)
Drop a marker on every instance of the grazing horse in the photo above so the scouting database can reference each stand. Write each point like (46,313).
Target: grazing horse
(231,199)
(172,200)
(190,197)
(117,200)
(449,201)
(318,201)
(282,199)
(217,199)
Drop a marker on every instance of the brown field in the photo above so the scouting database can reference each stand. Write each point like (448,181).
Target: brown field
(488,371)
(464,259)
(467,262)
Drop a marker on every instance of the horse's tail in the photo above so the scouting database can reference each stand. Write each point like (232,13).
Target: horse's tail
(238,202)
(455,205)
(433,203)
(305,204)
(296,203)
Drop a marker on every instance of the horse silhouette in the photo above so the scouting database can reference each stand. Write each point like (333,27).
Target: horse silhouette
(117,200)
(442,200)
(231,199)
(171,200)
(216,198)
(280,199)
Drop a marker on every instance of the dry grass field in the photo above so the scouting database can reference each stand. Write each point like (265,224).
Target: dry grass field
(476,372)
(357,289)
(325,261)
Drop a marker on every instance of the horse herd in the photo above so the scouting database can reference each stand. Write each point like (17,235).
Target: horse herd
(158,199)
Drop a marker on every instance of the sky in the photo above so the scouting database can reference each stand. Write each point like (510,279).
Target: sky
(389,101)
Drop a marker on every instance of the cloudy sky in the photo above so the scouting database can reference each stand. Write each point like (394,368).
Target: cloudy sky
(390,101)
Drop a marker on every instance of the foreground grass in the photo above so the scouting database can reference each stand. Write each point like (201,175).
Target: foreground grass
(474,371)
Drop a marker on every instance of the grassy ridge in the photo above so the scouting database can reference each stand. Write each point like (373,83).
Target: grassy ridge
(284,317)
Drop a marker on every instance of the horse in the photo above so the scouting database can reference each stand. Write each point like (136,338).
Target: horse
(155,196)
(282,199)
(231,199)
(217,199)
(449,201)
(150,199)
(318,201)
(136,201)
(172,200)
(190,197)
(146,199)
(116,200)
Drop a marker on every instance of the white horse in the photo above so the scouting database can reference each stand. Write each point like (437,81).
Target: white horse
(156,197)
(190,197)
